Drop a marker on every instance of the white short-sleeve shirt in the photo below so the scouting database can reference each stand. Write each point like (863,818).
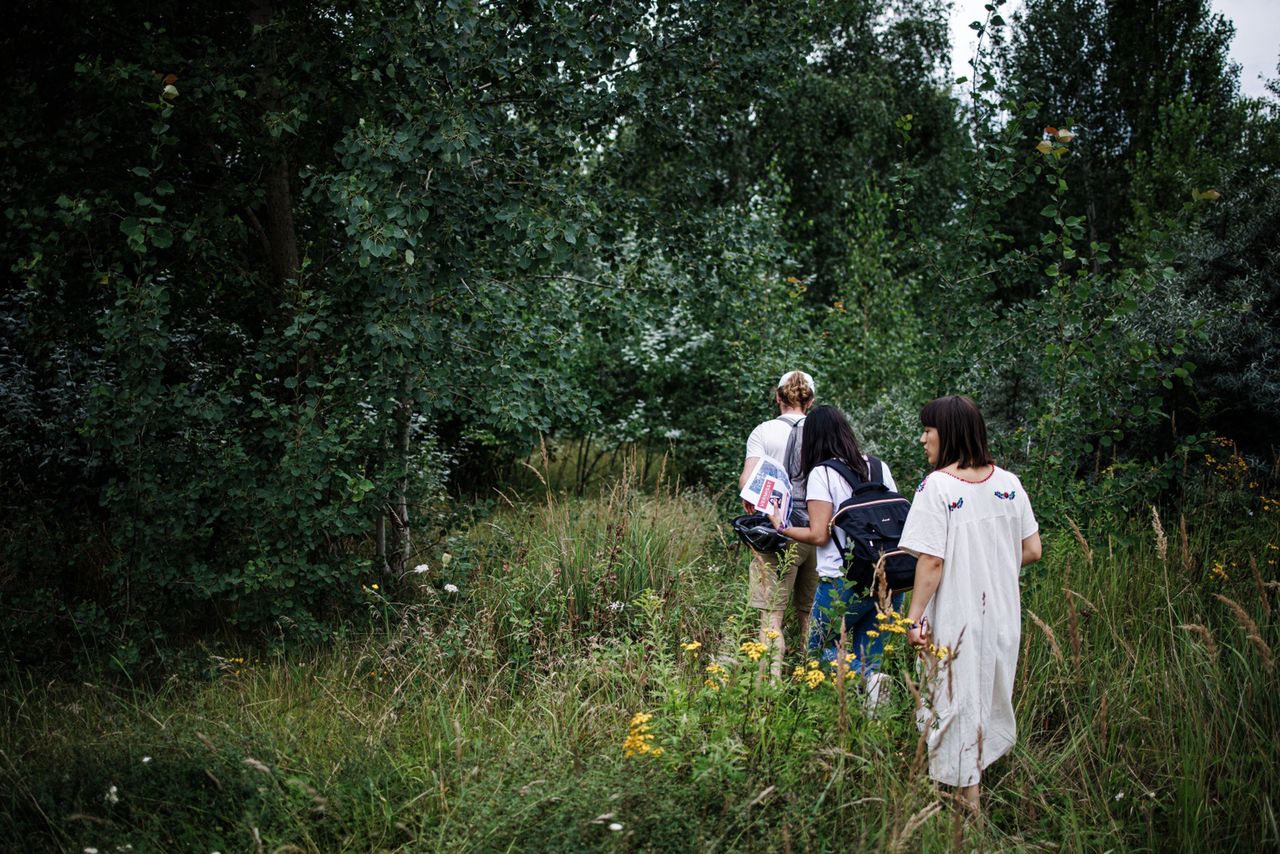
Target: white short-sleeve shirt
(769,439)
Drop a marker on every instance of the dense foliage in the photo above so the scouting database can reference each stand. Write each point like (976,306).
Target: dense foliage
(281,276)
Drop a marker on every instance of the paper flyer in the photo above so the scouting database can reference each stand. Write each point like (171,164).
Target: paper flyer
(768,486)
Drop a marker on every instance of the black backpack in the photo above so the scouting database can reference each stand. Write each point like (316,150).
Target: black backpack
(871,521)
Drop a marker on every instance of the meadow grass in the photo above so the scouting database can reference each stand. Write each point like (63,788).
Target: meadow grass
(495,718)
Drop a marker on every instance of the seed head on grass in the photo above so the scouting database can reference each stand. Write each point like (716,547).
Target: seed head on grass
(1048,633)
(1084,544)
(1162,542)
(1206,637)
(1250,629)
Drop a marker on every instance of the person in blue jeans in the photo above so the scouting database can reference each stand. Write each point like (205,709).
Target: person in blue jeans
(827,435)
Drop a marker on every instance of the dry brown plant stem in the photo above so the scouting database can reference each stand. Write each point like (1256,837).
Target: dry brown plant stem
(1262,588)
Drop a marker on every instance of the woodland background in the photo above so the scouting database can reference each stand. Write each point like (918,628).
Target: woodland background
(308,310)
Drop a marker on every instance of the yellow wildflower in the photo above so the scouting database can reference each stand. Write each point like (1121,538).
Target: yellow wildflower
(873,634)
(691,646)
(639,740)
(772,634)
(753,650)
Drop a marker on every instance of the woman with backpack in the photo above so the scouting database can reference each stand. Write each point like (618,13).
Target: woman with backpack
(772,586)
(972,529)
(828,436)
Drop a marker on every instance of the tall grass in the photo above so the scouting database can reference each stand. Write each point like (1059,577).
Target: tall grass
(494,718)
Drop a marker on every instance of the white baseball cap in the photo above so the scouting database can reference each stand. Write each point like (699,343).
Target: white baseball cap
(807,379)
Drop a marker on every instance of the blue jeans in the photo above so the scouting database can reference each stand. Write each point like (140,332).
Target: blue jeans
(859,618)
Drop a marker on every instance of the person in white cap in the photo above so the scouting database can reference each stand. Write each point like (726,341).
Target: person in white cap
(771,585)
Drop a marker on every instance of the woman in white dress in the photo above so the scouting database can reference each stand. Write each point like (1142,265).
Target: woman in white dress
(972,529)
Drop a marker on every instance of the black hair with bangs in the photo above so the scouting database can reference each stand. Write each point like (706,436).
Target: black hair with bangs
(962,432)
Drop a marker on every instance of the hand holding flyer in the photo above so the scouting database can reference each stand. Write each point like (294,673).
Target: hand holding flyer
(768,487)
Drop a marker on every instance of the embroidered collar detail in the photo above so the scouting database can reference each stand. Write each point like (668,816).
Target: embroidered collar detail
(975,482)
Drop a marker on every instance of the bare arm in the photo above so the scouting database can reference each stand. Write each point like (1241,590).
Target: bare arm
(928,574)
(1031,549)
(819,530)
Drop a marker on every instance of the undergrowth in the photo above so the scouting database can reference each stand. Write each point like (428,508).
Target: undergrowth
(579,673)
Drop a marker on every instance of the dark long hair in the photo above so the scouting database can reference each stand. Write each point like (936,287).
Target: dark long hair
(962,433)
(827,434)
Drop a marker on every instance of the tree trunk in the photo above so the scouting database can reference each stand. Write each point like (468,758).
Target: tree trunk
(277,214)
(398,561)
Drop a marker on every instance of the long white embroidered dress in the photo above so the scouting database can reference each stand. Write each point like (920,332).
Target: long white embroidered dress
(977,528)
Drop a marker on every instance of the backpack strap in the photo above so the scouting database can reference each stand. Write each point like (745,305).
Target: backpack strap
(843,470)
(860,486)
(791,445)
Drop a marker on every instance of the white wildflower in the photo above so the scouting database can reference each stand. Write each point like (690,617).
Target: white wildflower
(91,851)
(451,588)
(112,796)
(1119,796)
(421,568)
(616,606)
(615,827)
(146,760)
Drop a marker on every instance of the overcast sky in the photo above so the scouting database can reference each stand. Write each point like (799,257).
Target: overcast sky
(1256,46)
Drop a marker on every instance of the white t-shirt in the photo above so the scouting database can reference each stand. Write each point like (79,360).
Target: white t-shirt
(826,484)
(977,529)
(769,439)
